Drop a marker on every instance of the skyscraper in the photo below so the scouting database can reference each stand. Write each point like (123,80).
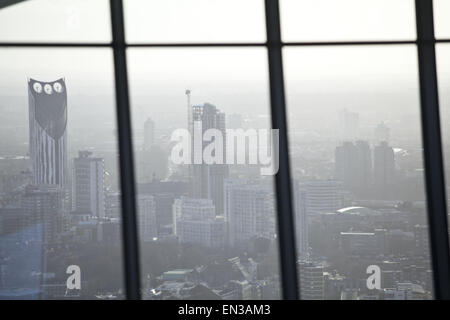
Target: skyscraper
(250,211)
(48,131)
(301,219)
(383,165)
(147,217)
(195,221)
(363,164)
(88,193)
(207,180)
(353,164)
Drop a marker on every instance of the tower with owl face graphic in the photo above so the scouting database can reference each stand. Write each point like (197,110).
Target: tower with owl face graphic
(48,131)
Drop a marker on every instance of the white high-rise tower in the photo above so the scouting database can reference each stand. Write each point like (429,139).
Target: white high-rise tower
(88,184)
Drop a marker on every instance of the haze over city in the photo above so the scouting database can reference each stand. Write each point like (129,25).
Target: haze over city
(209,231)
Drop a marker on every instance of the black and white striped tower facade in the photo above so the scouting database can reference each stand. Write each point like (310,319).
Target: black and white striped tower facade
(48,131)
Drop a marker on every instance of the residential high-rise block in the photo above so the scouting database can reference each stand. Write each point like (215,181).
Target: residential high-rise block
(249,210)
(383,165)
(207,180)
(353,164)
(195,221)
(88,190)
(147,217)
(301,218)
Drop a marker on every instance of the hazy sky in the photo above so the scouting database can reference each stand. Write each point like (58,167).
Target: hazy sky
(378,80)
(215,20)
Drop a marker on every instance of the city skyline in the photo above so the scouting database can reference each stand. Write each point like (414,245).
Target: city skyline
(248,213)
(210,230)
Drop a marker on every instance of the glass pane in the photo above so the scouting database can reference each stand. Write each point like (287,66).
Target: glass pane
(59,212)
(56,21)
(356,154)
(443,71)
(331,20)
(441,21)
(207,228)
(195,21)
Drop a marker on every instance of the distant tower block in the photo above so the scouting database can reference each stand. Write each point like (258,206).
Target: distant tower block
(208,179)
(190,128)
(189,110)
(88,186)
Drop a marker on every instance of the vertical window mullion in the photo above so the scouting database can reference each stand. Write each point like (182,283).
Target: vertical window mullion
(129,220)
(286,236)
(431,132)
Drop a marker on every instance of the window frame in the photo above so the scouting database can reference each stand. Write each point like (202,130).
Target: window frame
(431,139)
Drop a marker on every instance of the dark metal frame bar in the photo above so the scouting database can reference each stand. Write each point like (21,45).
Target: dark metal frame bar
(434,168)
(213,44)
(286,231)
(434,172)
(7,3)
(129,219)
(217,44)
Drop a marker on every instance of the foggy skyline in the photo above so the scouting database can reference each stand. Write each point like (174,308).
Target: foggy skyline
(210,230)
(362,78)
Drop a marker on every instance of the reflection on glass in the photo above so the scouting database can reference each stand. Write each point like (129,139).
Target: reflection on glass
(215,231)
(59,196)
(356,154)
